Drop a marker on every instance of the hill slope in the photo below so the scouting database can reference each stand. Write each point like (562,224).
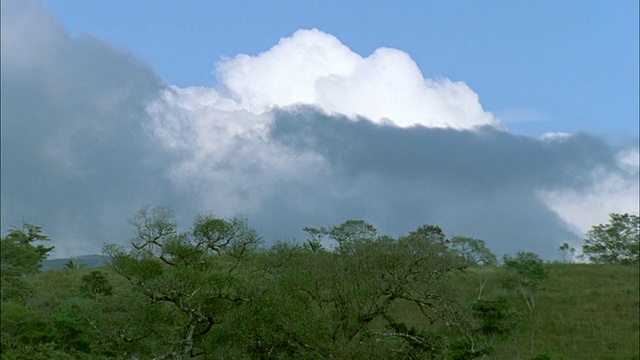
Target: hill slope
(583,311)
(89,261)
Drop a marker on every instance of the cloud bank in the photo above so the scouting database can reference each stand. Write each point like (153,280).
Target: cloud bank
(307,133)
(75,152)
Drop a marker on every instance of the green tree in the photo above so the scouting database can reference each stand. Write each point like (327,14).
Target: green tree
(349,231)
(528,273)
(126,325)
(566,252)
(74,264)
(474,251)
(192,274)
(21,257)
(96,283)
(352,230)
(496,318)
(430,233)
(615,242)
(331,304)
(313,245)
(21,327)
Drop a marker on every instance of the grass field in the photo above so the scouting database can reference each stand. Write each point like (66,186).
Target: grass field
(583,311)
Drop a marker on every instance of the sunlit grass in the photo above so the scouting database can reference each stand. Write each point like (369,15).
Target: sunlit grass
(582,311)
(590,312)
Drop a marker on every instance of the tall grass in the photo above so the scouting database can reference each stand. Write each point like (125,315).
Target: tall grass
(590,312)
(583,311)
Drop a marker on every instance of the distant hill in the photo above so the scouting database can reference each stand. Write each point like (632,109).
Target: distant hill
(90,261)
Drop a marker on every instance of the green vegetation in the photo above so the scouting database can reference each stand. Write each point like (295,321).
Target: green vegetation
(217,292)
(616,242)
(20,257)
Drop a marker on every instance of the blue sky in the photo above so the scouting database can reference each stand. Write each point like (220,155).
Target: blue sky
(542,66)
(512,122)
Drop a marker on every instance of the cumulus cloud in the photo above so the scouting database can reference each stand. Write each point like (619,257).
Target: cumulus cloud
(315,68)
(226,156)
(307,133)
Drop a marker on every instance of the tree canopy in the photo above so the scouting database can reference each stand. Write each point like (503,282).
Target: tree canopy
(615,242)
(215,290)
(20,256)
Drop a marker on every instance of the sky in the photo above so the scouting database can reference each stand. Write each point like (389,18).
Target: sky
(515,123)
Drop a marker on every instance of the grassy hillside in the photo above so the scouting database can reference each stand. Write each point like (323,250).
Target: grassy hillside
(583,311)
(590,312)
(89,261)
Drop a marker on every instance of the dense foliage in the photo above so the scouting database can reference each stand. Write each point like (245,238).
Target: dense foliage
(21,257)
(615,242)
(345,292)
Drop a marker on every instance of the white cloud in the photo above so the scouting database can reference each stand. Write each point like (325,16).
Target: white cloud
(28,33)
(315,68)
(609,192)
(629,161)
(224,152)
(555,136)
(222,135)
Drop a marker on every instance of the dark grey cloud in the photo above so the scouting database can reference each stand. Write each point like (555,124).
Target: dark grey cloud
(483,183)
(76,157)
(490,158)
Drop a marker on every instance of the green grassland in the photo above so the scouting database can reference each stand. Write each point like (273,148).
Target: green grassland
(583,311)
(590,312)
